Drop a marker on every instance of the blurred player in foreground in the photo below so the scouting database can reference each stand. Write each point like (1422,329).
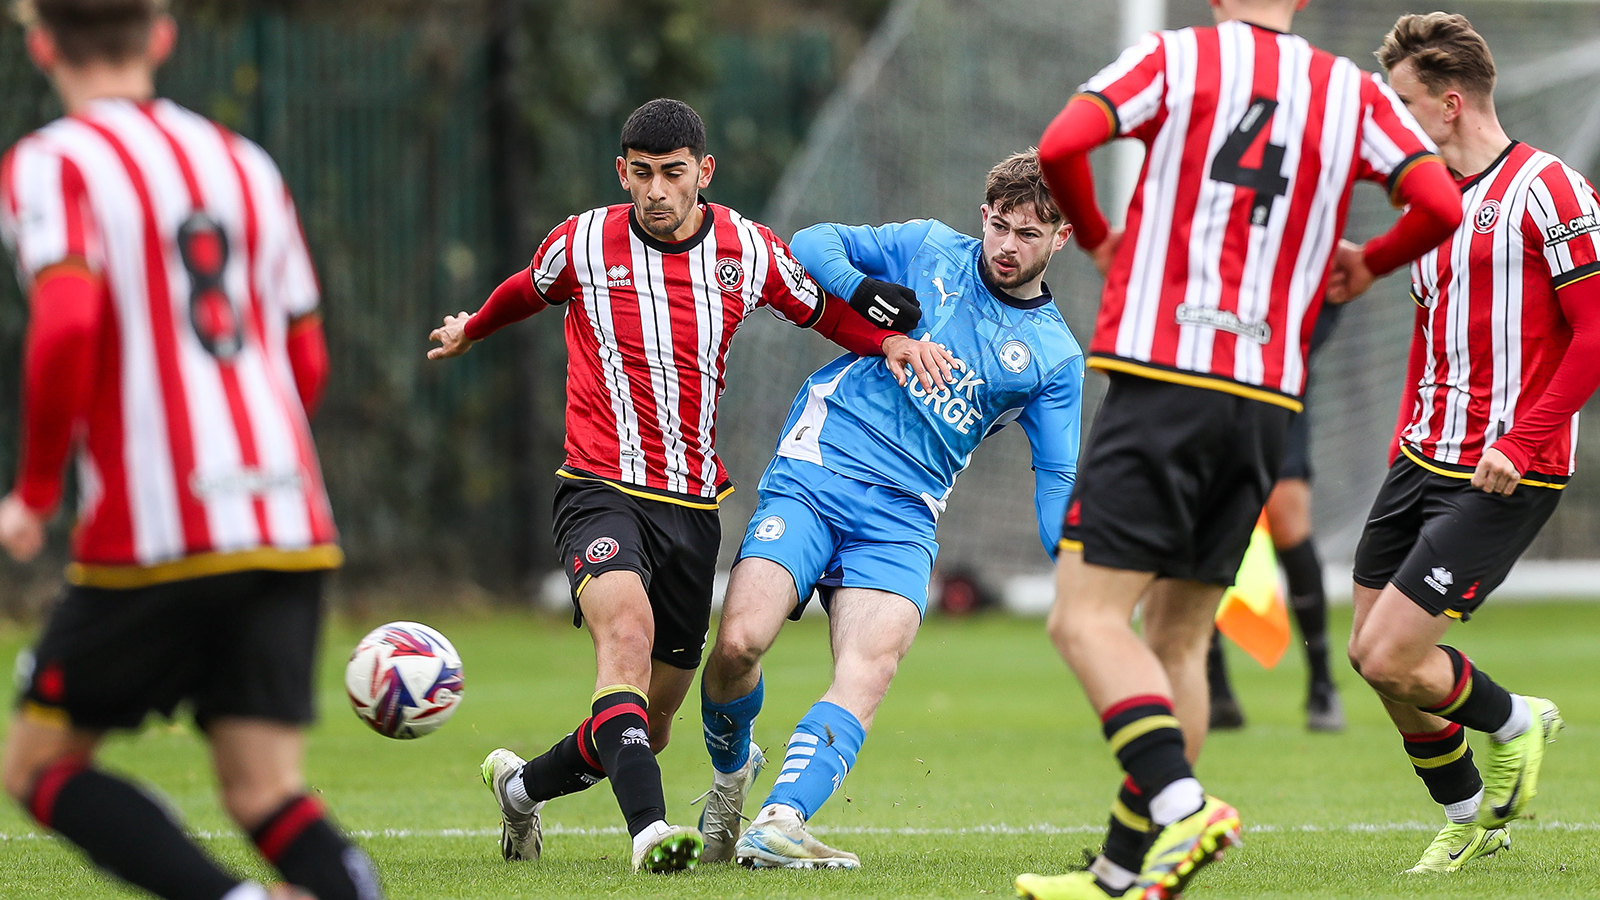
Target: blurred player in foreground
(174,345)
(1288,512)
(1505,351)
(863,469)
(654,291)
(1254,141)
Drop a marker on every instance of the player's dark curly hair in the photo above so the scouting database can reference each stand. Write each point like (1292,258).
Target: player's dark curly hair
(662,126)
(94,30)
(1017,181)
(1446,51)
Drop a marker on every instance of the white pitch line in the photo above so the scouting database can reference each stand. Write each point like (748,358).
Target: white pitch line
(1001,829)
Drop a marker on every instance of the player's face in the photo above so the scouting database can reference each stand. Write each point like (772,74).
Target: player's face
(664,187)
(1434,114)
(1017,246)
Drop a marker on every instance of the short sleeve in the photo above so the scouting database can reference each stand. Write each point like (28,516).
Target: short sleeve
(1391,140)
(1134,87)
(787,290)
(45,215)
(552,265)
(1564,221)
(301,292)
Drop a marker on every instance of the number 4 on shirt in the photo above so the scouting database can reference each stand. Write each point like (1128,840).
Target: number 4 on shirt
(1266,179)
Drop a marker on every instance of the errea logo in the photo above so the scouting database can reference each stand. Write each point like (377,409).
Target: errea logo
(1440,579)
(618,276)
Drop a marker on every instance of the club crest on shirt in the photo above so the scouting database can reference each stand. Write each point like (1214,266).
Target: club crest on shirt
(1483,221)
(730,274)
(601,550)
(1015,356)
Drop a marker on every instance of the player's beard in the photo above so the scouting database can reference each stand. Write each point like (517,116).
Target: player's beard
(1018,278)
(660,229)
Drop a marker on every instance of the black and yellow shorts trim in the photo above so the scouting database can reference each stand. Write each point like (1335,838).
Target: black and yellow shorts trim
(241,644)
(672,546)
(1441,541)
(1173,479)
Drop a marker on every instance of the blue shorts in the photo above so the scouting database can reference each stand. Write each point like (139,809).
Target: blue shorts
(832,531)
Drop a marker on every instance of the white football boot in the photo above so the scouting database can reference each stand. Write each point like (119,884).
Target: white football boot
(520,835)
(722,819)
(777,839)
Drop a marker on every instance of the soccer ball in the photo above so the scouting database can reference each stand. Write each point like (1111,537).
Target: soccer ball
(404,680)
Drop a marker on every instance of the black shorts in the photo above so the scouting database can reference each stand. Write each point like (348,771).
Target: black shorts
(1444,543)
(1297,447)
(1174,479)
(673,547)
(242,644)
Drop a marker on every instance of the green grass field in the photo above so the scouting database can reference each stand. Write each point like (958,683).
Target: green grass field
(985,762)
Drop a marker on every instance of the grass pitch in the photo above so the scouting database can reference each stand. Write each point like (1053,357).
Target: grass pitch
(985,762)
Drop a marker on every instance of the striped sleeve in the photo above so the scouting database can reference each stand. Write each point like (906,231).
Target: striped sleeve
(552,265)
(1392,142)
(1132,88)
(1564,220)
(45,215)
(787,290)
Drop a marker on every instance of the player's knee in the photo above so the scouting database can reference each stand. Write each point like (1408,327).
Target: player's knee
(1388,672)
(737,651)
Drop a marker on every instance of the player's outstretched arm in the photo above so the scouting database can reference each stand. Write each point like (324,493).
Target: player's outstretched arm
(514,300)
(59,371)
(1433,212)
(863,263)
(1084,124)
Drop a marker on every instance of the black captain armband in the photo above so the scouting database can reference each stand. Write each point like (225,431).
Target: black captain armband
(887,305)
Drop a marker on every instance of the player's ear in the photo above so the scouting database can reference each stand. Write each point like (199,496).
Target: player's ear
(622,172)
(42,48)
(708,165)
(1061,237)
(984,212)
(163,36)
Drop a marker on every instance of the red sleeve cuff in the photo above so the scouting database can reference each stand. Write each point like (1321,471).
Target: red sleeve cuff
(1521,457)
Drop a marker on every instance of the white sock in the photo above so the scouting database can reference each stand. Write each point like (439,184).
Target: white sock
(517,793)
(775,811)
(1464,812)
(248,890)
(651,832)
(1520,721)
(1112,875)
(1183,797)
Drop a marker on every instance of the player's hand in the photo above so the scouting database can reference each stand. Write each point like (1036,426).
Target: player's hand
(887,305)
(1349,278)
(21,529)
(1106,251)
(1495,473)
(933,365)
(452,336)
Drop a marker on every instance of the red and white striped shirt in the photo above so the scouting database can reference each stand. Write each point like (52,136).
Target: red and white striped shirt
(196,456)
(648,327)
(1255,139)
(1491,331)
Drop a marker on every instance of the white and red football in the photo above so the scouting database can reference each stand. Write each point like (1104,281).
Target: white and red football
(404,680)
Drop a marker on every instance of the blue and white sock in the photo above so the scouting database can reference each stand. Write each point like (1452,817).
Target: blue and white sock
(820,754)
(727,727)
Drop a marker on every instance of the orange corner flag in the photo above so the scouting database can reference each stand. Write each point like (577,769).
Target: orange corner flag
(1252,613)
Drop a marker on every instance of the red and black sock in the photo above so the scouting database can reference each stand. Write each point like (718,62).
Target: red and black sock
(300,842)
(570,766)
(1444,763)
(1303,571)
(1146,739)
(1475,700)
(622,740)
(1129,837)
(125,832)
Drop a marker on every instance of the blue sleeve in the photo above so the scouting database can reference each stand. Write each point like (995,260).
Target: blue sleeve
(1053,423)
(840,257)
